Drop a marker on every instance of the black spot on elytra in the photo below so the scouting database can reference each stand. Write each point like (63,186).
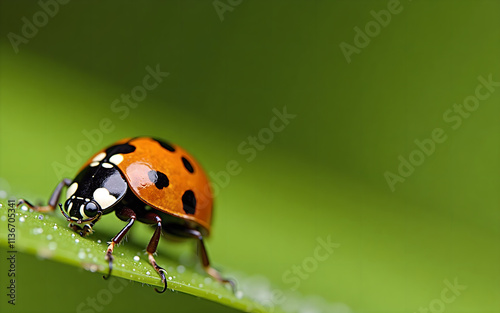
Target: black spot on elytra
(189,202)
(187,165)
(159,179)
(123,149)
(165,144)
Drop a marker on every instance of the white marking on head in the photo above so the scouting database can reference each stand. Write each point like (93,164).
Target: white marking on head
(102,196)
(116,159)
(71,190)
(94,164)
(99,157)
(107,165)
(70,206)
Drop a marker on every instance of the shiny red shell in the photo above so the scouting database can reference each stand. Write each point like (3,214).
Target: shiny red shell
(184,174)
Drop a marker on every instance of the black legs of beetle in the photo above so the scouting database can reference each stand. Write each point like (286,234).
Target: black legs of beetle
(57,192)
(129,215)
(124,214)
(202,253)
(53,199)
(152,218)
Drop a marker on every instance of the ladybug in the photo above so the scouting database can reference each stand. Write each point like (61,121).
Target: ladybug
(141,179)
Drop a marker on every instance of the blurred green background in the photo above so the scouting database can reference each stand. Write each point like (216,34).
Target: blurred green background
(323,175)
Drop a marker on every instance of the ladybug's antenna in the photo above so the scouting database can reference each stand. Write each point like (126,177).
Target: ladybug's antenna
(64,213)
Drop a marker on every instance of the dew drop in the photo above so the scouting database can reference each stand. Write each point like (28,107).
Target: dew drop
(4,218)
(44,253)
(148,273)
(123,264)
(181,269)
(73,235)
(137,258)
(200,285)
(77,240)
(24,208)
(239,294)
(55,227)
(81,254)
(49,237)
(22,219)
(37,231)
(52,245)
(40,217)
(99,241)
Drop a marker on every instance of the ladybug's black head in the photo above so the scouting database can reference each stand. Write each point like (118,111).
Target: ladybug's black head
(93,192)
(83,212)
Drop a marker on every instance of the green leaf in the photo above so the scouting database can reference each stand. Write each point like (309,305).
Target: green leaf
(47,236)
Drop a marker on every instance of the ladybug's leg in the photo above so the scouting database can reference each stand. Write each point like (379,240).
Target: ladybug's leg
(202,253)
(52,201)
(152,218)
(125,214)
